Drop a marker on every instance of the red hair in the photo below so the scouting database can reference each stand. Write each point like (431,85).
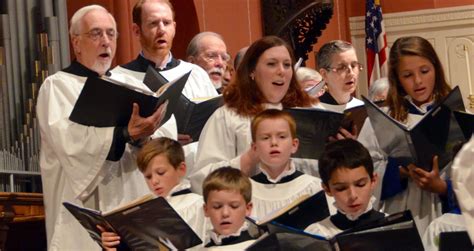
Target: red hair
(243,95)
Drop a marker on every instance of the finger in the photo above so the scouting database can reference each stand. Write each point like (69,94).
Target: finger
(435,165)
(411,167)
(355,130)
(111,244)
(110,235)
(135,110)
(345,132)
(339,136)
(162,109)
(404,171)
(423,180)
(102,229)
(184,137)
(420,172)
(331,139)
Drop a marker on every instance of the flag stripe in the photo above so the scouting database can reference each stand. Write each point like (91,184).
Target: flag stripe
(375,41)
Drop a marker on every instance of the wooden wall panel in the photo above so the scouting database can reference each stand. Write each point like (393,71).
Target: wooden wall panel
(239,21)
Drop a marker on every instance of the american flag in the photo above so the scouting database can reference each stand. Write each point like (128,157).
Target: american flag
(375,41)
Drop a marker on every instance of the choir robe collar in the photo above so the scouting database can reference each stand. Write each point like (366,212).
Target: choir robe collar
(140,64)
(286,176)
(184,187)
(223,240)
(329,99)
(342,222)
(79,69)
(419,110)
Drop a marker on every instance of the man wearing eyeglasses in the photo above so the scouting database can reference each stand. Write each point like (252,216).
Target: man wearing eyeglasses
(208,50)
(88,166)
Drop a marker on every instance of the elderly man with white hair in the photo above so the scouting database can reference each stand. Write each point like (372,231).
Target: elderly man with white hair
(85,165)
(208,50)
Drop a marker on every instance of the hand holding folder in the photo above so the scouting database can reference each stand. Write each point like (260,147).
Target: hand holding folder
(148,223)
(437,133)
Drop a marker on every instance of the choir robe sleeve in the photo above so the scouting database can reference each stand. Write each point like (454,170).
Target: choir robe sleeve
(445,223)
(367,138)
(462,177)
(190,208)
(81,150)
(224,138)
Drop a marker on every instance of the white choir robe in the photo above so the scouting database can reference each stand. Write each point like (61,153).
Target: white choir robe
(445,223)
(199,85)
(224,138)
(73,163)
(425,206)
(190,207)
(463,180)
(267,198)
(326,227)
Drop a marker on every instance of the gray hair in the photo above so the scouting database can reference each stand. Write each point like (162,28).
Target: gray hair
(378,86)
(75,28)
(193,46)
(305,73)
(239,56)
(326,52)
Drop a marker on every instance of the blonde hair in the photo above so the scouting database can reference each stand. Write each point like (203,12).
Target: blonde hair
(227,178)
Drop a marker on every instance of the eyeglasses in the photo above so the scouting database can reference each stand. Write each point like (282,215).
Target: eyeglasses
(356,67)
(213,56)
(96,34)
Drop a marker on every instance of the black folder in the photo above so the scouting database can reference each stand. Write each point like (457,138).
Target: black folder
(313,128)
(300,214)
(153,79)
(191,116)
(146,224)
(437,133)
(105,102)
(455,241)
(394,232)
(466,122)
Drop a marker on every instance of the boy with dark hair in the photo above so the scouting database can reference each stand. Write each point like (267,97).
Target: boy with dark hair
(227,196)
(347,174)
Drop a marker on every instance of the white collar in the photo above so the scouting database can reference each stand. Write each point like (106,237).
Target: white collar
(217,238)
(170,57)
(282,175)
(423,108)
(184,184)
